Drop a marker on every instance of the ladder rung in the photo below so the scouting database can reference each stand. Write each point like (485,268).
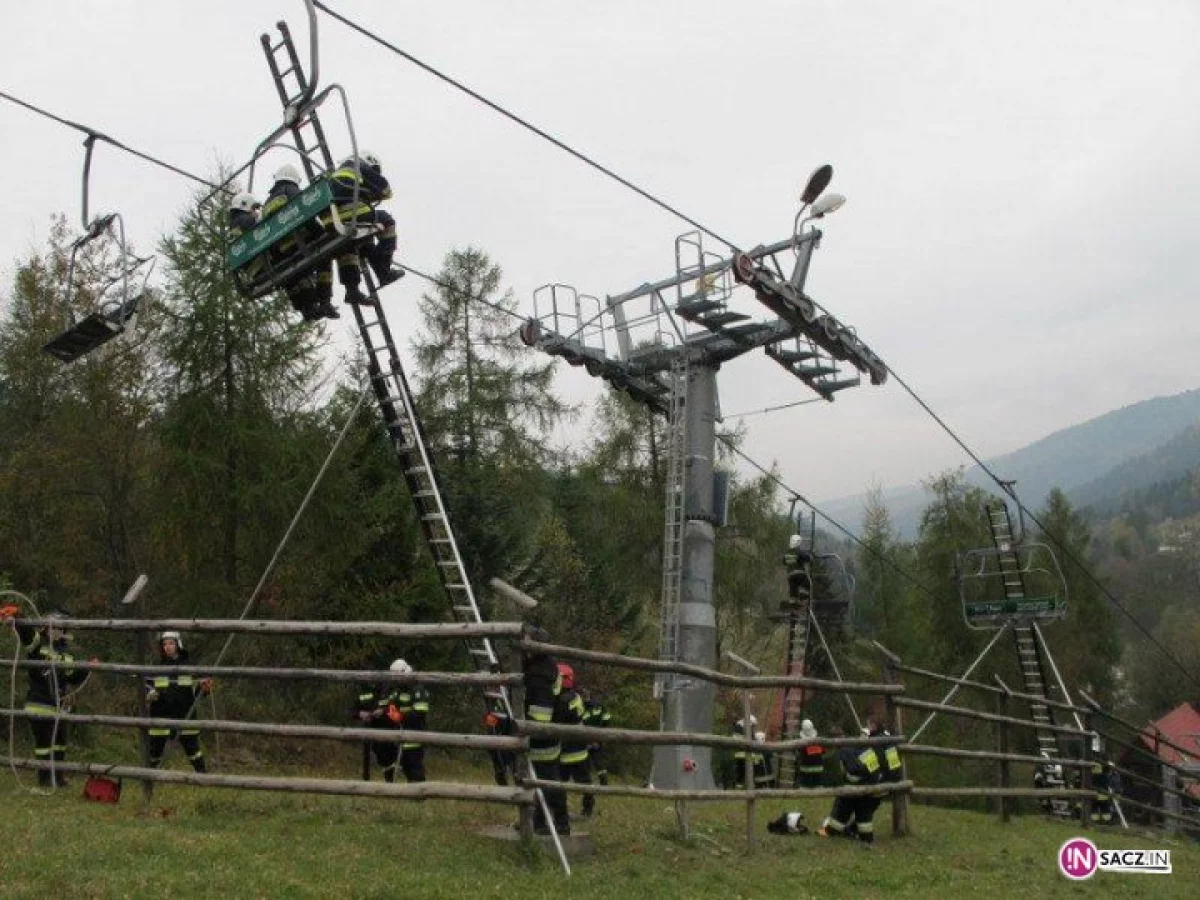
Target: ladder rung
(479,651)
(456,587)
(415,470)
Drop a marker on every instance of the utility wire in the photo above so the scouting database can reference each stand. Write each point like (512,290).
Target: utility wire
(524,123)
(101,136)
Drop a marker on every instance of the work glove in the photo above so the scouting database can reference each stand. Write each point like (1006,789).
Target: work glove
(151,695)
(365,715)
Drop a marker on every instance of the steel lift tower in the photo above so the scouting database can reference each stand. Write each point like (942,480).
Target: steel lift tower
(663,343)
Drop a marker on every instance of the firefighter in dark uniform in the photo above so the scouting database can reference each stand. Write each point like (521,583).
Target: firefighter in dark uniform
(854,816)
(543,684)
(573,762)
(358,187)
(412,702)
(798,561)
(595,715)
(173,697)
(376,709)
(810,760)
(311,294)
(760,768)
(50,689)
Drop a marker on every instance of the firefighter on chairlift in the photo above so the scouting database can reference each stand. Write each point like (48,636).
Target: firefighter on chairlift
(173,696)
(311,294)
(358,187)
(51,688)
(798,561)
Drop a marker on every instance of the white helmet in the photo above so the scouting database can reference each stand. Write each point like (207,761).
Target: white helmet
(245,202)
(807,730)
(760,736)
(171,636)
(288,173)
(401,666)
(796,540)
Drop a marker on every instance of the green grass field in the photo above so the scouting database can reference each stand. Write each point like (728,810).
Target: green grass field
(221,843)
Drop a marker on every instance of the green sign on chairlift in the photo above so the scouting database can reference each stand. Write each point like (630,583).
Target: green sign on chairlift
(1026,608)
(304,207)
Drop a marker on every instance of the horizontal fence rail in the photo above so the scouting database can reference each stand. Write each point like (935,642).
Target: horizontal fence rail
(420,791)
(732,796)
(711,675)
(422,630)
(987,717)
(471,679)
(328,732)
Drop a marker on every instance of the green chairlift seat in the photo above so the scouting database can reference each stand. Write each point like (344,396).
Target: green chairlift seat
(257,271)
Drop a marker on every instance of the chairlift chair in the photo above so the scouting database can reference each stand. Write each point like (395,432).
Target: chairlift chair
(81,337)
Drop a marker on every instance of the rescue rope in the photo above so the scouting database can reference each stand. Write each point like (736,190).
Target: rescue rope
(288,533)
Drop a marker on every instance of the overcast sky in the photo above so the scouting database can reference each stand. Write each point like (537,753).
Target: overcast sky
(1019,242)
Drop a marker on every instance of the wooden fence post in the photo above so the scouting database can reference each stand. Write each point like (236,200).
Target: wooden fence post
(1002,765)
(895,725)
(1085,774)
(748,772)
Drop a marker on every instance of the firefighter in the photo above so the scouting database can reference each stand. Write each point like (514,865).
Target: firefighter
(810,762)
(51,688)
(375,709)
(764,766)
(853,816)
(412,702)
(573,764)
(797,560)
(1049,776)
(172,696)
(244,212)
(596,715)
(358,185)
(543,684)
(757,761)
(310,295)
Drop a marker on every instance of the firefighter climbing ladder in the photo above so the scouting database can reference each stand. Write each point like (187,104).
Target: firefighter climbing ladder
(387,377)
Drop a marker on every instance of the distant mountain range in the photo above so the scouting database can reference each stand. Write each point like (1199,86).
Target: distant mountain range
(1095,462)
